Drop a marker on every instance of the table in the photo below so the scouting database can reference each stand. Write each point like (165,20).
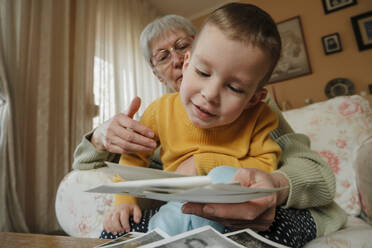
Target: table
(10,239)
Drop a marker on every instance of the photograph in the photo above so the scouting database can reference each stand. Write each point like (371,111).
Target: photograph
(132,240)
(331,43)
(334,5)
(249,238)
(294,61)
(203,237)
(362,26)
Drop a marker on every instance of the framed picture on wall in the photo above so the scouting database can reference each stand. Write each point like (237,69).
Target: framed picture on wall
(362,26)
(331,43)
(333,5)
(294,61)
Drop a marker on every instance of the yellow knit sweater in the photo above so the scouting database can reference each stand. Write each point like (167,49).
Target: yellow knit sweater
(245,143)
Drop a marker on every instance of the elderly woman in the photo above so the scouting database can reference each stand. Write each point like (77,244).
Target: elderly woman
(292,217)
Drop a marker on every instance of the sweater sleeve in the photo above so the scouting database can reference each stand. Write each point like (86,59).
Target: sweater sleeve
(263,152)
(87,157)
(311,180)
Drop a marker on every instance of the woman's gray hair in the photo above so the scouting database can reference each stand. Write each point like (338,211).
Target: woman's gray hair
(160,26)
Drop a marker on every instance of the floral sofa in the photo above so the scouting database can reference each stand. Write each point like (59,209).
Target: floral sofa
(340,130)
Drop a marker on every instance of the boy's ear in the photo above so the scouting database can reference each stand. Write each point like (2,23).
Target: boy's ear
(257,97)
(186,61)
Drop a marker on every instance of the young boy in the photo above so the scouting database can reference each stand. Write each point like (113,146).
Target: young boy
(218,117)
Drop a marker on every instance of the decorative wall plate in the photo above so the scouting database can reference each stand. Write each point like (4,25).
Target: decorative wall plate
(339,87)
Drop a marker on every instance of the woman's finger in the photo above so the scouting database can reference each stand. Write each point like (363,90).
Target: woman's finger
(134,106)
(128,140)
(128,123)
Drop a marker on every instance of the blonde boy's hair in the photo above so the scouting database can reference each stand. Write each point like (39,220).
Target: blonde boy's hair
(248,23)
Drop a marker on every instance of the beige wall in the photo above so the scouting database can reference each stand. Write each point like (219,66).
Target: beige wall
(350,63)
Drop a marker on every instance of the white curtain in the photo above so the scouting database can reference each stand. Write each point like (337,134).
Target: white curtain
(46,57)
(11,204)
(120,71)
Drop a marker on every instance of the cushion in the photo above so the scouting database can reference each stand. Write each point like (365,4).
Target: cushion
(335,128)
(80,214)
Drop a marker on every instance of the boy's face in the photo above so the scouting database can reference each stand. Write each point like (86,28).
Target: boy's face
(220,78)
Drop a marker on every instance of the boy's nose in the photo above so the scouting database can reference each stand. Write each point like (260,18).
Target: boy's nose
(211,93)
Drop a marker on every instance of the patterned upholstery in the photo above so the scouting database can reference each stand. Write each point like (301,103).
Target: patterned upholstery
(340,130)
(79,213)
(336,127)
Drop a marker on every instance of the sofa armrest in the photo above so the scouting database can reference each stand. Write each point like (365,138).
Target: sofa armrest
(79,213)
(351,237)
(363,171)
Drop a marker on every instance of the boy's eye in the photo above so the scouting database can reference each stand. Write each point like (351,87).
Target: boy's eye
(235,89)
(203,74)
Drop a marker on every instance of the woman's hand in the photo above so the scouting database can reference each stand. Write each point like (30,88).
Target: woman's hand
(257,214)
(117,220)
(121,134)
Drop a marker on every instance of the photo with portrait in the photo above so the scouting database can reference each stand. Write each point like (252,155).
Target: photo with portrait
(332,43)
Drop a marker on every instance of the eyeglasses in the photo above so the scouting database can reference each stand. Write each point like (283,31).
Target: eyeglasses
(163,57)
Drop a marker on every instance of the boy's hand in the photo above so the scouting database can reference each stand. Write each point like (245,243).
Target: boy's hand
(117,220)
(187,167)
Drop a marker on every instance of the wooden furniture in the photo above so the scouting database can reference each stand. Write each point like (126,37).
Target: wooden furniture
(10,239)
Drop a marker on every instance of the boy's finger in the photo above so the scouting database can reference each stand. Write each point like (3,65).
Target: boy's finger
(246,177)
(107,223)
(137,214)
(115,224)
(124,219)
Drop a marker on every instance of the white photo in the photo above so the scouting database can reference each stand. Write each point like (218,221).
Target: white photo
(168,186)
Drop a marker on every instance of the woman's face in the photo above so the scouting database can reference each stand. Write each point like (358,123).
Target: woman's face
(168,52)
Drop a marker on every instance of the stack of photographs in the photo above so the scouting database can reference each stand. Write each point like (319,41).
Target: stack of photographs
(198,238)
